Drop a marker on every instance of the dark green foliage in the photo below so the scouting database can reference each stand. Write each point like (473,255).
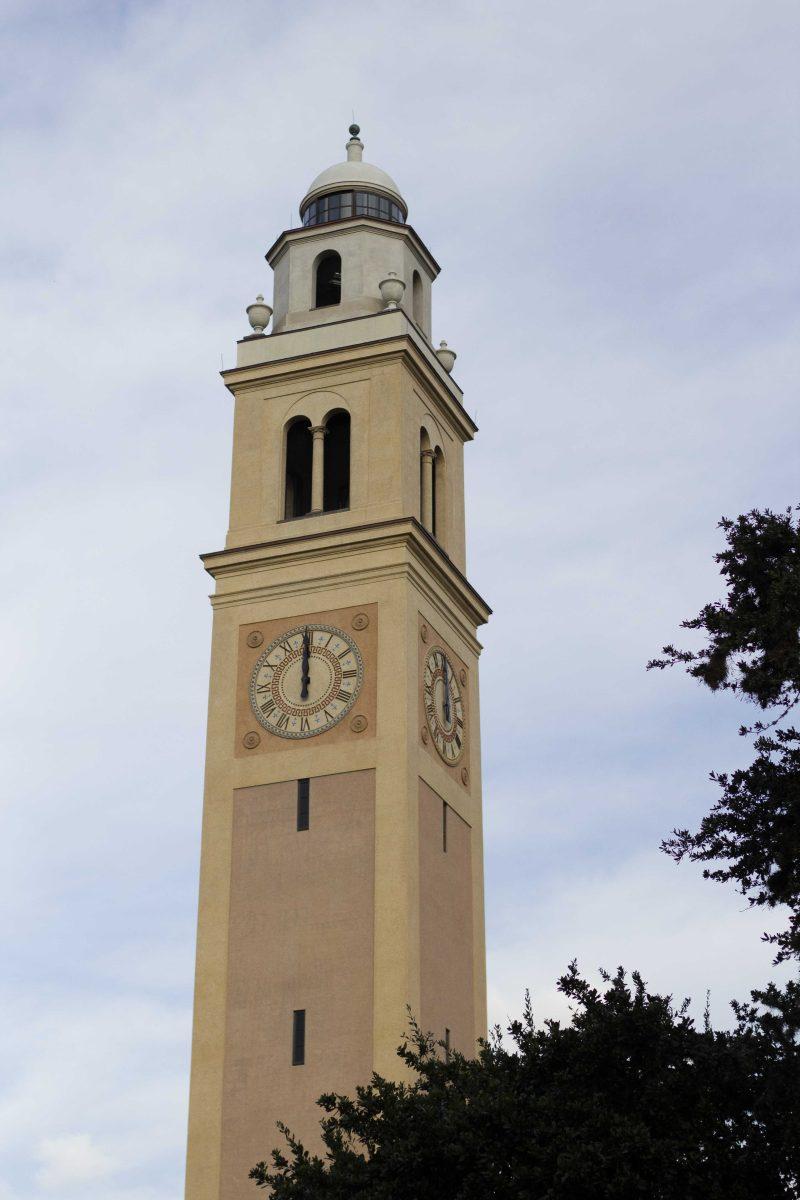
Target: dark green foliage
(754,635)
(753,830)
(753,833)
(629,1100)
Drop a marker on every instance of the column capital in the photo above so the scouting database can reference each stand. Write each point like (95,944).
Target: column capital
(427,453)
(319,431)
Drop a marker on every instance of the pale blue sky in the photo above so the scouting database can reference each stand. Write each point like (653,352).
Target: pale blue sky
(611,190)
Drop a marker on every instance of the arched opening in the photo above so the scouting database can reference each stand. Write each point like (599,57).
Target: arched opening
(328,282)
(298,469)
(336,491)
(424,444)
(417,299)
(438,497)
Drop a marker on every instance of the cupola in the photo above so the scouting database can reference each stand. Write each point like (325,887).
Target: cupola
(354,255)
(353,188)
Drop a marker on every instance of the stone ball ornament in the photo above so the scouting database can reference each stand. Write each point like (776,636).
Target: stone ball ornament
(392,288)
(446,356)
(258,314)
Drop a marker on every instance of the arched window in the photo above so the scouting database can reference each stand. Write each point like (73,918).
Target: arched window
(417,299)
(336,490)
(426,481)
(438,497)
(298,469)
(328,283)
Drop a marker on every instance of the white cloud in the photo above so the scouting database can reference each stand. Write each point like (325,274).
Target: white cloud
(69,1159)
(106,1075)
(683,934)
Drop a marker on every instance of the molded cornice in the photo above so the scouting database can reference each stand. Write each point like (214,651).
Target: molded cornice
(400,341)
(422,558)
(406,232)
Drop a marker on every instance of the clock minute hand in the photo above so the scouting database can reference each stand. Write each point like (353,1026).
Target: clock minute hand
(446,704)
(305,679)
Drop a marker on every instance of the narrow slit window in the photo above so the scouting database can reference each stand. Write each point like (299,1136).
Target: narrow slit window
(303,803)
(444,826)
(299,1037)
(447,1045)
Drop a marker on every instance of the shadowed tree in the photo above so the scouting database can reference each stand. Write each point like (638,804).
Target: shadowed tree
(629,1100)
(754,634)
(753,649)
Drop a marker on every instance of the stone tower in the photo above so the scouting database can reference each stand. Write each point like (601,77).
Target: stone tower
(341,874)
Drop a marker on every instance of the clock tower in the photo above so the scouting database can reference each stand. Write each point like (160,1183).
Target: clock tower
(341,876)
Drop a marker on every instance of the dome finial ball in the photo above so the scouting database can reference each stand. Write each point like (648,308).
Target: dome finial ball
(355,130)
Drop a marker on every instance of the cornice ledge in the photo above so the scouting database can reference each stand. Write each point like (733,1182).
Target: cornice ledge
(407,344)
(244,560)
(303,232)
(442,396)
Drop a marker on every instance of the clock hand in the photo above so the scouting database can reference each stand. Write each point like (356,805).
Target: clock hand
(306,670)
(446,705)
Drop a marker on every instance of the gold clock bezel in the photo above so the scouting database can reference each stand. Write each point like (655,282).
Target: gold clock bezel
(299,712)
(437,730)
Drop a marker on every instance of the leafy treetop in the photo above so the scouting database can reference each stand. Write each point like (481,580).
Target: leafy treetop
(754,634)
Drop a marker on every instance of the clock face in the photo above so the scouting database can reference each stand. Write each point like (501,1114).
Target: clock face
(444,707)
(306,680)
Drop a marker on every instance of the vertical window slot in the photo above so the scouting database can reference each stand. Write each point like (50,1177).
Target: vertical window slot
(447,1045)
(303,803)
(444,826)
(299,1037)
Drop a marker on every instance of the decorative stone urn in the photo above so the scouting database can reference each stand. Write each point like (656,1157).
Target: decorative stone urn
(258,315)
(446,356)
(392,290)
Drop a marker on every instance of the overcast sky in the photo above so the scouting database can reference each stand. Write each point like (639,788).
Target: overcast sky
(612,190)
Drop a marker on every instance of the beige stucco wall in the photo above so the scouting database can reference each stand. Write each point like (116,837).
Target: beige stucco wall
(300,937)
(446,934)
(389,404)
(368,250)
(273,571)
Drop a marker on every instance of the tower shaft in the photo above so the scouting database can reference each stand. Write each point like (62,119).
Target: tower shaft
(341,871)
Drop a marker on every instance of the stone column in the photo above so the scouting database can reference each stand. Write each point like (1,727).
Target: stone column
(318,468)
(427,489)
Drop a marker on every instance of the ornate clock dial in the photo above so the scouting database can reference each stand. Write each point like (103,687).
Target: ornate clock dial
(444,707)
(306,680)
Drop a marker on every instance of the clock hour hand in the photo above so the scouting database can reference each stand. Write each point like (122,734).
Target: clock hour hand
(305,679)
(446,704)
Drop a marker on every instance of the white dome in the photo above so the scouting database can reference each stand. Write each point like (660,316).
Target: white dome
(356,174)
